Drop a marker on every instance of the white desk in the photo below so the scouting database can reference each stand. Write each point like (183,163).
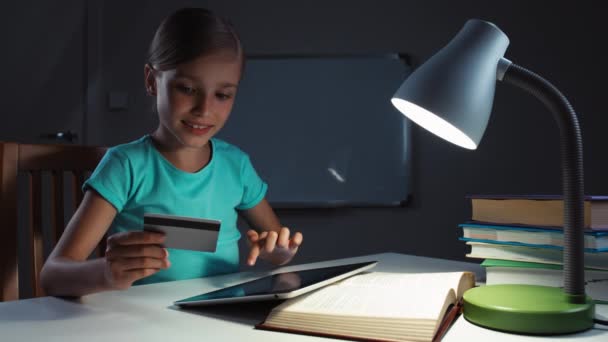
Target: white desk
(144,313)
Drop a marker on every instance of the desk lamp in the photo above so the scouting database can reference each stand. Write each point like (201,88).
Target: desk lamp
(451,96)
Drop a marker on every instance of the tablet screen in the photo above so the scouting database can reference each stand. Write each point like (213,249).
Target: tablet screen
(276,284)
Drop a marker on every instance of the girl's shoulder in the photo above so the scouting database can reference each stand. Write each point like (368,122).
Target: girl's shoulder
(227,155)
(131,150)
(226,149)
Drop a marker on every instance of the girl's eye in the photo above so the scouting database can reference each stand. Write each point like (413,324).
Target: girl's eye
(186,90)
(223,97)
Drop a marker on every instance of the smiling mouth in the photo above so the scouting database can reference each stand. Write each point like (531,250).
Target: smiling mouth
(194,125)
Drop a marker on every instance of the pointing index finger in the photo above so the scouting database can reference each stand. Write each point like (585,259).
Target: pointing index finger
(253,254)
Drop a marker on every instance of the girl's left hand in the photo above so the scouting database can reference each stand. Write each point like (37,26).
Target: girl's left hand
(277,248)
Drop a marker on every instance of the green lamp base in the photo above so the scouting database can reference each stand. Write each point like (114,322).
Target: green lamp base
(528,309)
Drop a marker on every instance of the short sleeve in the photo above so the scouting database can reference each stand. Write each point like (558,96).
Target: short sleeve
(112,179)
(254,188)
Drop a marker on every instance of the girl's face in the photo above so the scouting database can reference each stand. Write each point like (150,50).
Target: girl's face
(194,100)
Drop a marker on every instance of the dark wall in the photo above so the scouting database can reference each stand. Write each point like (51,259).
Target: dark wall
(519,153)
(42,65)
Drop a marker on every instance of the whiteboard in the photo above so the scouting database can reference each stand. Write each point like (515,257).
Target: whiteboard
(322,132)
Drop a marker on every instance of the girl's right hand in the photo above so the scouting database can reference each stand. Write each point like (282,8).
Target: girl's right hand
(131,256)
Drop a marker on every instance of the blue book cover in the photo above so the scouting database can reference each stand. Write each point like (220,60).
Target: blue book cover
(594,236)
(475,224)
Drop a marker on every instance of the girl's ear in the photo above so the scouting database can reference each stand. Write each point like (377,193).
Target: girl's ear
(150,79)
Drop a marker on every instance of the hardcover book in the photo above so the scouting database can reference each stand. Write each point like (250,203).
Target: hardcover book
(532,254)
(594,241)
(536,210)
(376,306)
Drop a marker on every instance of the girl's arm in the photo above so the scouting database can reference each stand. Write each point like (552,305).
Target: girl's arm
(67,272)
(268,239)
(262,217)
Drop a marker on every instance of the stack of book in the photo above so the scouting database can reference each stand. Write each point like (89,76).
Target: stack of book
(521,239)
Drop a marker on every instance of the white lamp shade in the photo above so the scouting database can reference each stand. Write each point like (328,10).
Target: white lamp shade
(451,94)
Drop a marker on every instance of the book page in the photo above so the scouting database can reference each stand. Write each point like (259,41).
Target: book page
(382,295)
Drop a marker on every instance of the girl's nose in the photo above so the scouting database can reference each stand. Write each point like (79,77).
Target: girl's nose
(201,106)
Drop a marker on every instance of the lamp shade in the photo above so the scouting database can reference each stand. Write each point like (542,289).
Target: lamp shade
(451,94)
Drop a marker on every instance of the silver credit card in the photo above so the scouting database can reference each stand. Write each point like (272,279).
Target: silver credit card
(184,232)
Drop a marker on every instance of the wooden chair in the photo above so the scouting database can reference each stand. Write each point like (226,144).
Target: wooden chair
(34,160)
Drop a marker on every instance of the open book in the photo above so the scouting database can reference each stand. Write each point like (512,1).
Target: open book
(376,306)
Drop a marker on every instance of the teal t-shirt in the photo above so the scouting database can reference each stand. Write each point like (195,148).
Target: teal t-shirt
(136,179)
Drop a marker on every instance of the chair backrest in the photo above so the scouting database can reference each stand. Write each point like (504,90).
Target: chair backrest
(34,160)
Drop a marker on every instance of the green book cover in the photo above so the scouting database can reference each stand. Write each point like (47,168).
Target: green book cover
(523,264)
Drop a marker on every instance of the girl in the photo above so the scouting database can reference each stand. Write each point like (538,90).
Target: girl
(194,67)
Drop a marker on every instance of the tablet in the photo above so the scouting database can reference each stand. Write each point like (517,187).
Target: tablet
(281,285)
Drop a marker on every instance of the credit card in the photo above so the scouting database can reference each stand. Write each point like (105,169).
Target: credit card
(181,232)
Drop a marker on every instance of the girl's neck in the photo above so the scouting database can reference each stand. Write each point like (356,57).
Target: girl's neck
(188,159)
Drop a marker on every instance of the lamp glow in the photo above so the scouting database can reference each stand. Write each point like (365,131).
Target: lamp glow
(434,124)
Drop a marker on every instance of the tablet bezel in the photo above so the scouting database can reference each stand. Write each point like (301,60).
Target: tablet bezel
(365,265)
